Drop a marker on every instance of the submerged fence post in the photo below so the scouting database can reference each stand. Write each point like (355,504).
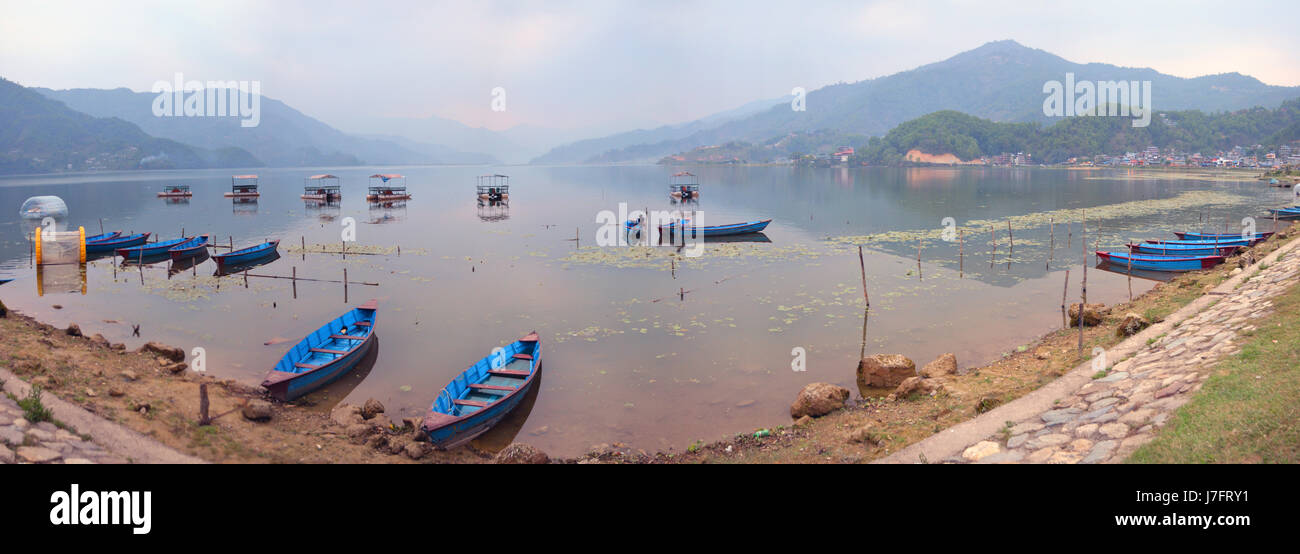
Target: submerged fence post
(1083,242)
(1065,320)
(863,266)
(345,285)
(961,254)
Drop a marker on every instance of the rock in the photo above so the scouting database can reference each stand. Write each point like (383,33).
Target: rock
(378,441)
(371,408)
(412,424)
(943,365)
(1131,325)
(257,410)
(90,392)
(980,450)
(916,385)
(176,367)
(866,434)
(118,346)
(99,340)
(359,430)
(1092,314)
(129,375)
(1114,430)
(381,422)
(884,371)
(7,456)
(803,421)
(74,330)
(11,435)
(520,453)
(416,450)
(346,415)
(1043,353)
(818,399)
(170,352)
(986,403)
(116,392)
(1235,272)
(37,454)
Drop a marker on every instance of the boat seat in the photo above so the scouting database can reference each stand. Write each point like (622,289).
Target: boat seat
(362,323)
(328,351)
(480,386)
(306,366)
(508,373)
(474,403)
(347,337)
(523,356)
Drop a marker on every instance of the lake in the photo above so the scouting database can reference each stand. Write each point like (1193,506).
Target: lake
(643,345)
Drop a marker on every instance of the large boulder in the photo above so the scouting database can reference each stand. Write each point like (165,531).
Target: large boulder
(1132,324)
(818,399)
(257,410)
(1092,314)
(520,453)
(170,352)
(884,370)
(941,366)
(371,408)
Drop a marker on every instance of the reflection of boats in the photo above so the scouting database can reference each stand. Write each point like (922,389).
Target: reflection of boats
(1160,263)
(1122,269)
(1164,249)
(493,188)
(386,190)
(686,229)
(175,191)
(484,394)
(243,186)
(684,186)
(751,237)
(325,355)
(387,212)
(147,250)
(120,241)
(1220,236)
(190,248)
(493,211)
(188,263)
(321,187)
(243,206)
(505,431)
(246,255)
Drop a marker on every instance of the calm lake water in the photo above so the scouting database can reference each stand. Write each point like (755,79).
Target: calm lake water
(640,347)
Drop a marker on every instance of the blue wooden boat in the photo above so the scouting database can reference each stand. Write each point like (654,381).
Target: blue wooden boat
(246,255)
(483,394)
(325,355)
(1206,243)
(1160,263)
(103,237)
(1286,213)
(149,250)
(1157,249)
(189,248)
(686,229)
(1212,236)
(112,244)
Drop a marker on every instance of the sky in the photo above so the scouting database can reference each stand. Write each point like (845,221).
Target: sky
(603,65)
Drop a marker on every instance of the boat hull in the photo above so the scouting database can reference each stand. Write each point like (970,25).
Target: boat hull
(247,255)
(473,425)
(715,230)
(293,377)
(307,383)
(449,423)
(113,244)
(1180,251)
(149,251)
(1160,263)
(183,251)
(1212,236)
(102,237)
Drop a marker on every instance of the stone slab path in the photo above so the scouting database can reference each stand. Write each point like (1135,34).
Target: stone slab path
(1082,419)
(24,442)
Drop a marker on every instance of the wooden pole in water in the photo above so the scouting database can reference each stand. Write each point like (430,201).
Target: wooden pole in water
(1083,242)
(863,266)
(961,254)
(101,225)
(295,282)
(1130,271)
(1011,238)
(993,237)
(1065,321)
(345,285)
(344,250)
(245,278)
(1051,252)
(918,259)
(1069,235)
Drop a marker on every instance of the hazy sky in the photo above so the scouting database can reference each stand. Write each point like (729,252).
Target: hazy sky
(604,64)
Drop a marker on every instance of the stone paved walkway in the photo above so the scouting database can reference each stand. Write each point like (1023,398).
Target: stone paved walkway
(1105,420)
(1090,420)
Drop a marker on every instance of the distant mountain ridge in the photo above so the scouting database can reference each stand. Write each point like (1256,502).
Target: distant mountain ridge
(38,134)
(1001,81)
(285,137)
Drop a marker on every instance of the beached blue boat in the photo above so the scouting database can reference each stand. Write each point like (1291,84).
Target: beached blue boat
(1204,243)
(483,394)
(103,237)
(325,355)
(190,248)
(1212,236)
(686,229)
(112,244)
(1183,250)
(149,250)
(1286,213)
(1160,263)
(246,255)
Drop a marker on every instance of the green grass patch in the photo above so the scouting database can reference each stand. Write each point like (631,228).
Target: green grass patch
(33,409)
(1248,411)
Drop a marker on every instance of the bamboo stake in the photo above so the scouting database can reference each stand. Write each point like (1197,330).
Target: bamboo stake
(918,260)
(961,254)
(1130,271)
(345,285)
(1065,321)
(1083,242)
(863,266)
(1051,252)
(1011,238)
(295,282)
